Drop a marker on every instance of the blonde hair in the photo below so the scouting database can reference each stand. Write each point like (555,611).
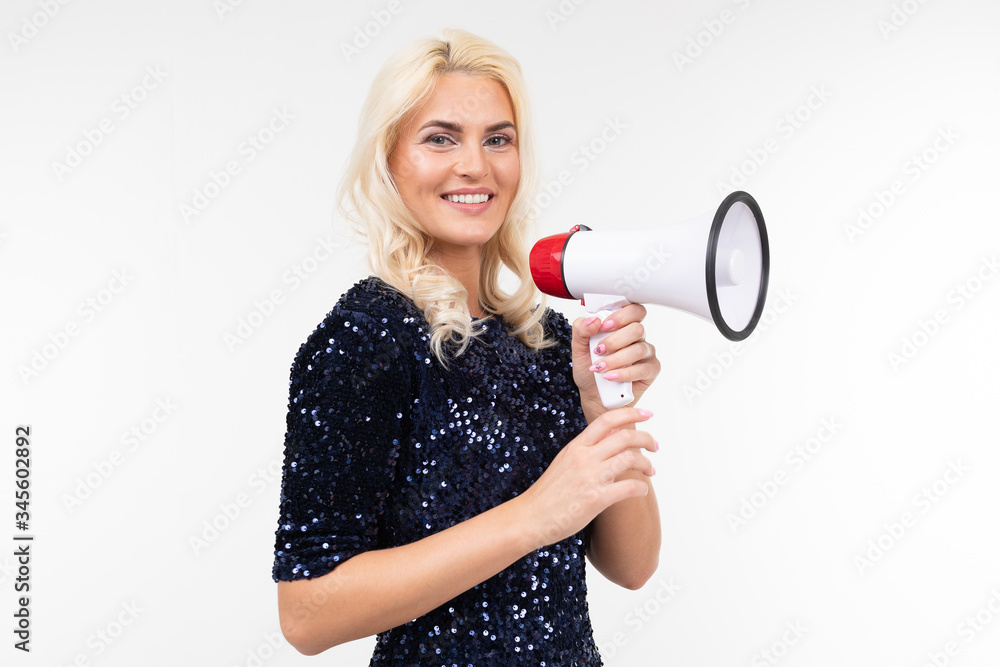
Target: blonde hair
(397,245)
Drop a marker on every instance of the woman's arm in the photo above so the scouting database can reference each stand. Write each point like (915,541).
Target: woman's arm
(377,590)
(624,541)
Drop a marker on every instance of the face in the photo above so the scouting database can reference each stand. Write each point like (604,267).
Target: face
(456,162)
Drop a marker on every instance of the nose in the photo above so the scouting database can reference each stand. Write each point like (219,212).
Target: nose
(472,162)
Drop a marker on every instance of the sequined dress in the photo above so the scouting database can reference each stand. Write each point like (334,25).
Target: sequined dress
(384,447)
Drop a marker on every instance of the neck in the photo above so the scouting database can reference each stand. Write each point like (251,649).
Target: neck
(463,265)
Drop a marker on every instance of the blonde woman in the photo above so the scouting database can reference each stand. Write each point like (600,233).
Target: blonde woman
(448,463)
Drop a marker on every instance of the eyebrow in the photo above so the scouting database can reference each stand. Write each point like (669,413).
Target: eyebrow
(455,127)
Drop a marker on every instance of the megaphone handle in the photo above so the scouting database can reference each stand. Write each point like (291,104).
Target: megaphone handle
(613,394)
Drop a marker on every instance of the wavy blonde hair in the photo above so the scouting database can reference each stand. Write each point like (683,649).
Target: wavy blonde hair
(397,245)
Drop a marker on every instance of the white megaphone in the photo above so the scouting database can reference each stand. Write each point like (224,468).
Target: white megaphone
(715,266)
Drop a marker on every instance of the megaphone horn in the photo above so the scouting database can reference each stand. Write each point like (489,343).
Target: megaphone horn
(715,266)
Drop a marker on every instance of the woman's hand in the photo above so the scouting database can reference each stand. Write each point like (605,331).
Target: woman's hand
(628,356)
(588,476)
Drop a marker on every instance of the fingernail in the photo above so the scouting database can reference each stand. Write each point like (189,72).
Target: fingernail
(613,375)
(590,321)
(656,446)
(607,325)
(653,468)
(643,412)
(599,366)
(600,349)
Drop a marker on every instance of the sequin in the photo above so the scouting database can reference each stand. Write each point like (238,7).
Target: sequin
(384,447)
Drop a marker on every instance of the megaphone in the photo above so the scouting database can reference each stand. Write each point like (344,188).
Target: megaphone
(715,266)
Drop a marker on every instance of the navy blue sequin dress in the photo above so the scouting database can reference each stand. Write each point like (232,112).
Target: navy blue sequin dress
(385,447)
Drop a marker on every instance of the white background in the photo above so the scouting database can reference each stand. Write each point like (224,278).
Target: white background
(817,109)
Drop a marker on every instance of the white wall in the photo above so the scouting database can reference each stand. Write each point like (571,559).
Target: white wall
(878,351)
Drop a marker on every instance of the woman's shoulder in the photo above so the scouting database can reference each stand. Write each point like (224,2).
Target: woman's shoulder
(369,318)
(374,295)
(372,301)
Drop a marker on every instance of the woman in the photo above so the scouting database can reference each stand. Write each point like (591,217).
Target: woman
(445,473)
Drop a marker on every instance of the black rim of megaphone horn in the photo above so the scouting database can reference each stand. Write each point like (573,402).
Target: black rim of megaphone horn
(765,267)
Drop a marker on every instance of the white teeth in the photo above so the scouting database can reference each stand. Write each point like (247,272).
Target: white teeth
(467,199)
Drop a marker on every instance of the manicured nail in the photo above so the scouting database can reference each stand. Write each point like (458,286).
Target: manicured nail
(607,325)
(643,412)
(613,375)
(590,321)
(599,366)
(653,468)
(600,349)
(656,446)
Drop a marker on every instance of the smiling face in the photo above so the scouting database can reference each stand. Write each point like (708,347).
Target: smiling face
(456,162)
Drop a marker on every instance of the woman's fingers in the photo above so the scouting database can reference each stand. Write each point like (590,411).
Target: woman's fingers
(621,451)
(625,362)
(626,323)
(612,421)
(605,463)
(621,337)
(626,488)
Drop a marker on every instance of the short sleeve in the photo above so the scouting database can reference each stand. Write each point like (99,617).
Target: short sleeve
(348,411)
